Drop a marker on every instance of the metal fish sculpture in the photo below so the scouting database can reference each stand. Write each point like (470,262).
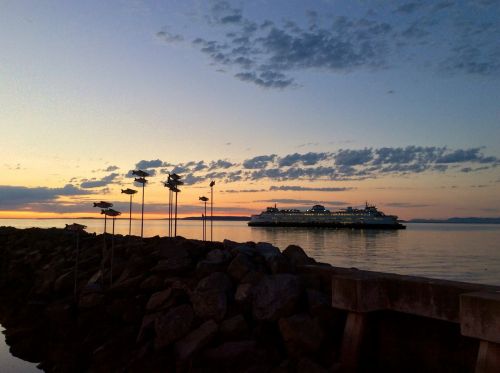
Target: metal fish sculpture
(212,183)
(75,227)
(110,212)
(103,205)
(140,180)
(174,176)
(140,173)
(129,191)
(204,199)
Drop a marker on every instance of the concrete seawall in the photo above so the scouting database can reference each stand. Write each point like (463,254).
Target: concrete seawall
(171,304)
(397,323)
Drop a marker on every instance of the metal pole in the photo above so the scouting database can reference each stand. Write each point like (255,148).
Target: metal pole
(112,253)
(205,223)
(169,213)
(130,217)
(211,213)
(175,227)
(142,211)
(103,251)
(76,263)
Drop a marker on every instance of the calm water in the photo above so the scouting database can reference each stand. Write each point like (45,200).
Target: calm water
(463,252)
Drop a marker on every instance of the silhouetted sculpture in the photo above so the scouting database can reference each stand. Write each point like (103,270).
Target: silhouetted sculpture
(130,192)
(141,180)
(204,220)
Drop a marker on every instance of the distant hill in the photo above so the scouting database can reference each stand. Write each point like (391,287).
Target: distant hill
(470,220)
(220,218)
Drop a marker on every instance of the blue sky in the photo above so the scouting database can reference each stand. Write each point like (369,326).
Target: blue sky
(89,85)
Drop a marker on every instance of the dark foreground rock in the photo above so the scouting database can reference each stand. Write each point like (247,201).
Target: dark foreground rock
(169,304)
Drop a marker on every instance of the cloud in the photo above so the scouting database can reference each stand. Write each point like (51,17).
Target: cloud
(464,155)
(290,201)
(19,196)
(99,183)
(349,157)
(297,188)
(342,165)
(268,53)
(409,7)
(111,168)
(221,163)
(243,190)
(260,161)
(168,37)
(307,159)
(407,205)
(154,163)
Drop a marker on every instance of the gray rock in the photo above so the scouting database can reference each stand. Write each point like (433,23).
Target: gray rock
(196,340)
(159,300)
(244,293)
(173,325)
(233,328)
(210,297)
(276,296)
(297,256)
(240,266)
(267,250)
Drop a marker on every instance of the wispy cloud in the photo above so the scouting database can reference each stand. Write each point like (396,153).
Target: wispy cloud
(342,165)
(104,181)
(17,197)
(268,52)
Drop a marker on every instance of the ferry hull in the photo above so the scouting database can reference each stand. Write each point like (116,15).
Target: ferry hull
(327,225)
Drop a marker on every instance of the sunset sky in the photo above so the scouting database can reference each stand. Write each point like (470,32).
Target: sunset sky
(287,102)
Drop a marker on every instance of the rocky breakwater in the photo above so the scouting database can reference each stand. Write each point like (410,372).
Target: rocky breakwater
(174,305)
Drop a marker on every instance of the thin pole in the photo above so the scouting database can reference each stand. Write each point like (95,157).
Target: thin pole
(203,227)
(112,253)
(169,213)
(76,263)
(205,223)
(142,211)
(130,217)
(175,229)
(211,213)
(103,251)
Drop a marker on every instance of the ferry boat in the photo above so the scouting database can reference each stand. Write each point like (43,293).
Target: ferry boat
(318,216)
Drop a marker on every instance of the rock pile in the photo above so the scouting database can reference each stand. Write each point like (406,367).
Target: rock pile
(174,305)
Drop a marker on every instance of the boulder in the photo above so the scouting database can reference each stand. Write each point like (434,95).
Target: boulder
(243,295)
(276,296)
(195,340)
(173,325)
(240,266)
(159,300)
(267,250)
(297,256)
(233,328)
(306,365)
(210,297)
(218,256)
(235,355)
(152,283)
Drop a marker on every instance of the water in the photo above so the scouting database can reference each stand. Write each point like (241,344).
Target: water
(11,364)
(462,252)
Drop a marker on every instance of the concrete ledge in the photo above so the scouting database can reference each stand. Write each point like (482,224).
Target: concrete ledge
(360,292)
(480,315)
(366,291)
